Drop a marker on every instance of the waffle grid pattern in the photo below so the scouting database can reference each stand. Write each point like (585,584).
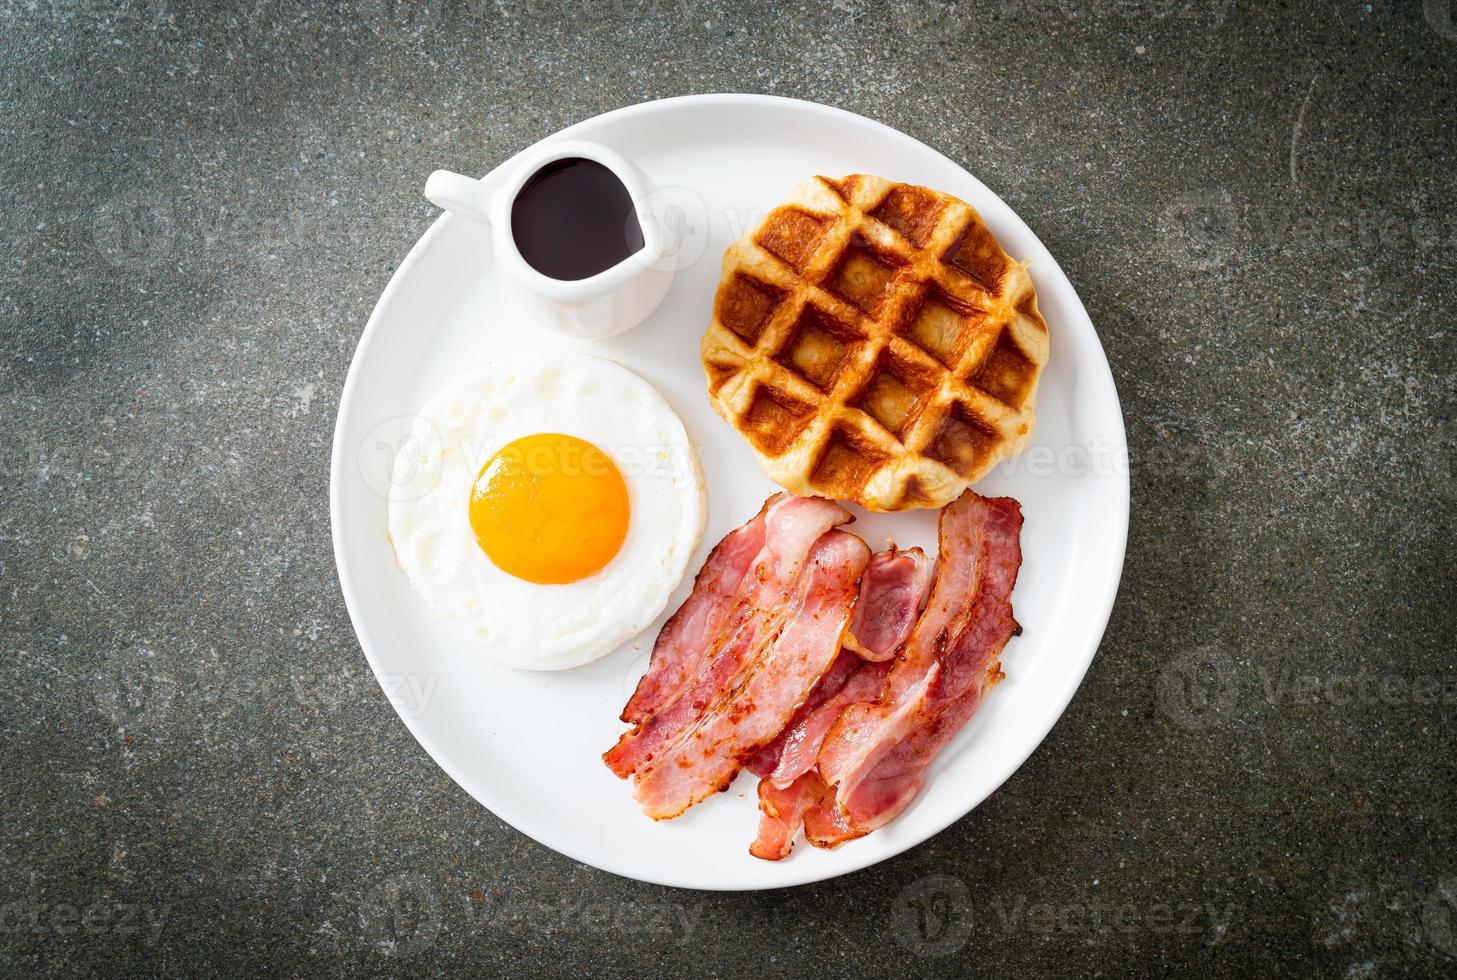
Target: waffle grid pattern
(874,343)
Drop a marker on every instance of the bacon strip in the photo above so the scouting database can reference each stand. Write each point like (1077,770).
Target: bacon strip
(892,591)
(824,824)
(891,596)
(793,788)
(875,756)
(686,638)
(895,584)
(792,526)
(704,758)
(782,813)
(846,664)
(802,741)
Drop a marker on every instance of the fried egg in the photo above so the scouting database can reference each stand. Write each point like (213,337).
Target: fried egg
(546,508)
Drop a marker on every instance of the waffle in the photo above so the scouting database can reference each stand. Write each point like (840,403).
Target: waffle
(873,343)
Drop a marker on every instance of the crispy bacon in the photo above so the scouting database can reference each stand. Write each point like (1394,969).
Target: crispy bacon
(686,638)
(824,824)
(894,587)
(793,788)
(801,745)
(875,756)
(895,584)
(767,759)
(891,595)
(704,758)
(781,814)
(799,652)
(792,526)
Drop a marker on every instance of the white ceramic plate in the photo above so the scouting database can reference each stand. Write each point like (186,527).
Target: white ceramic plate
(528,745)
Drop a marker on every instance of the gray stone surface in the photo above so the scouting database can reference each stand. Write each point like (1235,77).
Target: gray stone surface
(1256,201)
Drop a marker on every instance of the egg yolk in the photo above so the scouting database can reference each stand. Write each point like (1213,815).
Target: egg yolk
(550,509)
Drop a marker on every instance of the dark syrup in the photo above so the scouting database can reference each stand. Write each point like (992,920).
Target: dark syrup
(574,219)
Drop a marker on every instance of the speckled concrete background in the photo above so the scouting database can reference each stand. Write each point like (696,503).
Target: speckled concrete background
(1256,202)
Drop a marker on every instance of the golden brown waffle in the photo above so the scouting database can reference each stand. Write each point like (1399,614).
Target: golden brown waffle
(874,343)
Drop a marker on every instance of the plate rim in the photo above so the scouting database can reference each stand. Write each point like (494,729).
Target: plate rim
(1102,608)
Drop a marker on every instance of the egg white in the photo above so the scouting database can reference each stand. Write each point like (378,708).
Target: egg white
(524,624)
